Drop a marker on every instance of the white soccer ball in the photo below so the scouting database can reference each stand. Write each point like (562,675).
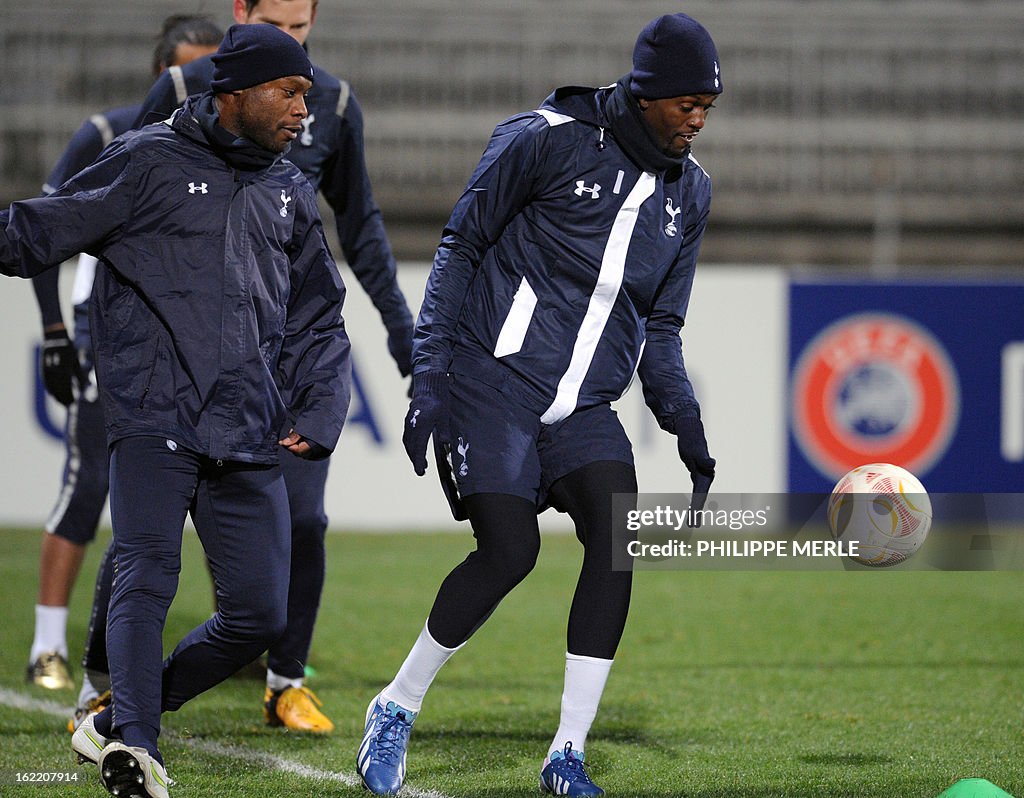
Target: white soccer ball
(884,510)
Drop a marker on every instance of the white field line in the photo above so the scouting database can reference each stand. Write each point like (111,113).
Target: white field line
(16,700)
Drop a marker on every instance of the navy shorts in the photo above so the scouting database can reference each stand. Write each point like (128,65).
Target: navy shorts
(86,472)
(499,446)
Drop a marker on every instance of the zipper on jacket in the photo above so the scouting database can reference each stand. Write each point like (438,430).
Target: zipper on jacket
(149,379)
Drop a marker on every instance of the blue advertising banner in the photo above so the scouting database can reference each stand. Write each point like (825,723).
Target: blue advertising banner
(928,375)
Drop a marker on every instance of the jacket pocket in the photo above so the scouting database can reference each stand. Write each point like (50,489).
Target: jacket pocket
(513,331)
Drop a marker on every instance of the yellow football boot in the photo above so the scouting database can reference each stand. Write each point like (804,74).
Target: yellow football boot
(97,704)
(295,708)
(50,670)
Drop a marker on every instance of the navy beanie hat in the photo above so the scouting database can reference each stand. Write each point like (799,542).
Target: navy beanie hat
(674,56)
(258,53)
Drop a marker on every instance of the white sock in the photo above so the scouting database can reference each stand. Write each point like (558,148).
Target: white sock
(417,672)
(97,681)
(277,682)
(585,678)
(51,631)
(88,691)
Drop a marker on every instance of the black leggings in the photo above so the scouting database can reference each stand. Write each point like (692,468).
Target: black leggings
(507,544)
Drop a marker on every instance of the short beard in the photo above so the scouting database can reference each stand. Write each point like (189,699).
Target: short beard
(255,129)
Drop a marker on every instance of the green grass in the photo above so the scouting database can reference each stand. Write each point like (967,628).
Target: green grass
(727,684)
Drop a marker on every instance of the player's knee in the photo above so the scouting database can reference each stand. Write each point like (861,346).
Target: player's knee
(513,564)
(263,621)
(308,528)
(524,562)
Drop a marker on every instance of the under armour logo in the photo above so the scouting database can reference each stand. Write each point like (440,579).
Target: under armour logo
(463,448)
(284,203)
(194,189)
(306,138)
(581,187)
(670,228)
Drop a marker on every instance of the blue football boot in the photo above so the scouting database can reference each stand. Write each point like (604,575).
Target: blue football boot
(563,774)
(381,756)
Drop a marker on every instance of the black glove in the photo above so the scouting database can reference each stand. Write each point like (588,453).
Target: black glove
(428,413)
(693,451)
(59,366)
(400,347)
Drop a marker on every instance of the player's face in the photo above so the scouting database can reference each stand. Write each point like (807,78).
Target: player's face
(294,17)
(271,114)
(676,121)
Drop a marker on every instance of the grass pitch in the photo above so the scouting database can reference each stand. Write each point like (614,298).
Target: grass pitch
(727,684)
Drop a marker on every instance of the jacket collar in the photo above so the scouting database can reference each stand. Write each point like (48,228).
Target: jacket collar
(614,107)
(198,119)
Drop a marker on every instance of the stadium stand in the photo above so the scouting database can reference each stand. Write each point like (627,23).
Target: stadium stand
(869,133)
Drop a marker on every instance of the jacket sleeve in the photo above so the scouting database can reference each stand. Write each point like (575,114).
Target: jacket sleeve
(84,147)
(40,233)
(500,187)
(345,184)
(666,386)
(314,370)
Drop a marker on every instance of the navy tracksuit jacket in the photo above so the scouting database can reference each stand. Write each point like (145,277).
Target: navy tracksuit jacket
(217,328)
(567,264)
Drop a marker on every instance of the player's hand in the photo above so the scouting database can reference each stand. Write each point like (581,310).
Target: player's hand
(400,347)
(693,451)
(428,413)
(59,365)
(303,447)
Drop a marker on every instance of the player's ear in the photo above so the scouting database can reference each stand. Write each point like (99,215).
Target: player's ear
(644,104)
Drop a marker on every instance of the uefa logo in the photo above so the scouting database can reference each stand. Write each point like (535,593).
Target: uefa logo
(874,388)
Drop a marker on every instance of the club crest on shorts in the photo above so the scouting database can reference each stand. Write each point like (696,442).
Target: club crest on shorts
(874,388)
(463,449)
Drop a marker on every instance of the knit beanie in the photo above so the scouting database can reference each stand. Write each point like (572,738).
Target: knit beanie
(674,56)
(258,53)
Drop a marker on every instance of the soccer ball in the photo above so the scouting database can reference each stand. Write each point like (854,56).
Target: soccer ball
(882,508)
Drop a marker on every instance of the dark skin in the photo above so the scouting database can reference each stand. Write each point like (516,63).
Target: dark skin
(269,115)
(676,121)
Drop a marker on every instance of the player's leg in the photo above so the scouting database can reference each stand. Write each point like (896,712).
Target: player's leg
(94,658)
(69,529)
(152,484)
(286,701)
(241,515)
(601,601)
(95,691)
(507,544)
(508,541)
(596,619)
(498,475)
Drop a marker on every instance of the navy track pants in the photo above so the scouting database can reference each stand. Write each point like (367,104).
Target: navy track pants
(241,514)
